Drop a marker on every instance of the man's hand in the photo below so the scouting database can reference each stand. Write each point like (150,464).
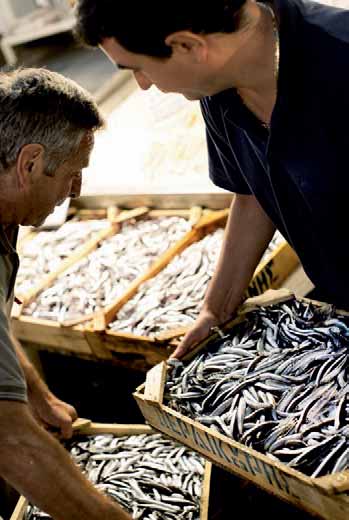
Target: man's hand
(247,234)
(199,331)
(51,412)
(47,409)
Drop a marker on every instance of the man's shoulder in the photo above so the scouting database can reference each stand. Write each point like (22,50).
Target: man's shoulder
(8,260)
(314,50)
(212,106)
(8,238)
(331,21)
(326,20)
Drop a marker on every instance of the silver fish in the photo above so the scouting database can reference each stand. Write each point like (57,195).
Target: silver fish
(278,382)
(106,273)
(174,297)
(47,249)
(148,475)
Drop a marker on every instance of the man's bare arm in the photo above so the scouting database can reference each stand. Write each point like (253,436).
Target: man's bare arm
(247,235)
(46,407)
(35,464)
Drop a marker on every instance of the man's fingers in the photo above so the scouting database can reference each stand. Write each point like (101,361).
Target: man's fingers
(68,416)
(178,353)
(199,332)
(182,348)
(189,341)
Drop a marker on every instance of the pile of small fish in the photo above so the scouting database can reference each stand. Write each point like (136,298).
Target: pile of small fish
(277,382)
(149,476)
(174,297)
(106,273)
(43,254)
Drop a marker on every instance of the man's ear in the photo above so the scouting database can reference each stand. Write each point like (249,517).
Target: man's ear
(30,162)
(185,44)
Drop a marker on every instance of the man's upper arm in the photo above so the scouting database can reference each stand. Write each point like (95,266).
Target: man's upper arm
(12,381)
(224,170)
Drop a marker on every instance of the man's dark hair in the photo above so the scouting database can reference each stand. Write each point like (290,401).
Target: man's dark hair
(142,27)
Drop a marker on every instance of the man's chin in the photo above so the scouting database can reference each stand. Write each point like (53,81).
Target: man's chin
(40,222)
(37,223)
(193,97)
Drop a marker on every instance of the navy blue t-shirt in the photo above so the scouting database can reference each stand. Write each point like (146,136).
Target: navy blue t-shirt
(299,170)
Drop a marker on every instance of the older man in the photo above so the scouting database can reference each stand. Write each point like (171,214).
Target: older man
(273,80)
(47,126)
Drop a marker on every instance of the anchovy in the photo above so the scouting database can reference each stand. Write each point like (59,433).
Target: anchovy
(277,382)
(106,273)
(47,249)
(174,297)
(150,476)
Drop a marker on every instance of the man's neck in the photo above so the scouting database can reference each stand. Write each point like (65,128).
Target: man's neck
(8,204)
(255,78)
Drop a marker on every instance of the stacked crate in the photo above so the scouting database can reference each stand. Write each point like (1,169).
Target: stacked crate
(90,335)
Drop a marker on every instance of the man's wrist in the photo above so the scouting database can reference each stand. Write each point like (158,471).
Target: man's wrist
(209,311)
(221,314)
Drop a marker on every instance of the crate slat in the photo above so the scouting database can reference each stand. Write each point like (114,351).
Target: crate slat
(18,513)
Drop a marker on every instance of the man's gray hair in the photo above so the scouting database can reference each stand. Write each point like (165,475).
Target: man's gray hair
(43,107)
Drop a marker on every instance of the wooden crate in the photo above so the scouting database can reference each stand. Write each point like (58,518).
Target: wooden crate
(326,497)
(71,337)
(95,340)
(86,427)
(115,219)
(79,254)
(269,274)
(204,226)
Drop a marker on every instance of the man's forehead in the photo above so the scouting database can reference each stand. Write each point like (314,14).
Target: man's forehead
(120,56)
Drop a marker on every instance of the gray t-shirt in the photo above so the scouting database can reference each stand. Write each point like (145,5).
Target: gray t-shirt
(12,381)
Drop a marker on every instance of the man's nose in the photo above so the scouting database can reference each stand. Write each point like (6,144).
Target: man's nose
(143,81)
